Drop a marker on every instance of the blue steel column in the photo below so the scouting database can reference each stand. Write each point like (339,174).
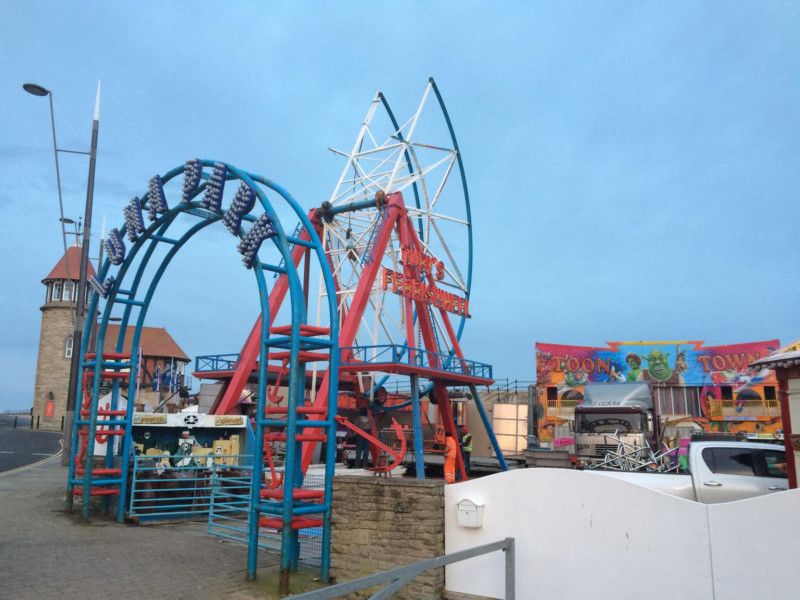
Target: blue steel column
(416,420)
(258,446)
(288,535)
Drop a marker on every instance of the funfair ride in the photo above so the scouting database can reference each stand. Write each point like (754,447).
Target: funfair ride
(248,205)
(397,236)
(390,257)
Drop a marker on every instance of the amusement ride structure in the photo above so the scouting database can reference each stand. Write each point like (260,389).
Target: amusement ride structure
(363,304)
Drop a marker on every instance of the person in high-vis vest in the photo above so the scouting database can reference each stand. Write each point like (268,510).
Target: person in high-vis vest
(466,448)
(450,452)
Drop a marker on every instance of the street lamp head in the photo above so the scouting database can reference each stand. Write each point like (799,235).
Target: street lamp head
(66,221)
(35,89)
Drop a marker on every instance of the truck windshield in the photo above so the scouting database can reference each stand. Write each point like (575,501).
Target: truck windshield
(609,423)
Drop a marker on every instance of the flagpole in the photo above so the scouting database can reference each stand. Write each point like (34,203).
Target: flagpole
(80,304)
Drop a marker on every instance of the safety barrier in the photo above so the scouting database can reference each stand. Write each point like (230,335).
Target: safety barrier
(175,487)
(418,357)
(216,362)
(396,579)
(228,516)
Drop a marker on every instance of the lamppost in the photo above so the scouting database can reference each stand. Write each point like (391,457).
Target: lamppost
(80,304)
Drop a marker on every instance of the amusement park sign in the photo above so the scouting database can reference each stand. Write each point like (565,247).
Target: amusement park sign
(412,287)
(669,363)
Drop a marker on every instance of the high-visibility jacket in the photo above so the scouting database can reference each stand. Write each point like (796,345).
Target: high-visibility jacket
(466,442)
(451,448)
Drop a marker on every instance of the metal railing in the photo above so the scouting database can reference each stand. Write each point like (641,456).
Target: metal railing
(418,357)
(398,578)
(163,488)
(387,353)
(216,362)
(228,516)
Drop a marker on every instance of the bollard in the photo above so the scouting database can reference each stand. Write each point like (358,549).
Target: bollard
(31,420)
(37,421)
(62,422)
(15,421)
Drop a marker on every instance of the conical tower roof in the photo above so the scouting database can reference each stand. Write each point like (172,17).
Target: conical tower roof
(73,257)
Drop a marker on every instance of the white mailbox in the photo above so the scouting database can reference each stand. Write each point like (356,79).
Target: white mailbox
(470,514)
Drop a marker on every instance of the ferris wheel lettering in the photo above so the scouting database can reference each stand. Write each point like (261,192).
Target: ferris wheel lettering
(415,258)
(409,287)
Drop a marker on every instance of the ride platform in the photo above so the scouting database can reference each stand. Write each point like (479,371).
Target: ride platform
(387,358)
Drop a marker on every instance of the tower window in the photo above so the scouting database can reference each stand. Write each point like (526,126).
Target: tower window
(68,289)
(68,348)
(56,291)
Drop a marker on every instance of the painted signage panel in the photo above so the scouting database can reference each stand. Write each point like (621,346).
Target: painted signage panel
(187,420)
(670,363)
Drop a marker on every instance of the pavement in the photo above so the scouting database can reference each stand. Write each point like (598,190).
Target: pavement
(23,445)
(47,553)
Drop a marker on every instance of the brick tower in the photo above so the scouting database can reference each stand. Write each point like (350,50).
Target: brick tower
(55,341)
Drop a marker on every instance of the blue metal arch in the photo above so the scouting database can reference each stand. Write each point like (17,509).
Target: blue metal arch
(149,240)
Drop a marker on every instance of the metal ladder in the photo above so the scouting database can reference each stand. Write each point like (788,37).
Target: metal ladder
(283,503)
(96,424)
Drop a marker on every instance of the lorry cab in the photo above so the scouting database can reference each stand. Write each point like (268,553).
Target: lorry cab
(600,430)
(612,414)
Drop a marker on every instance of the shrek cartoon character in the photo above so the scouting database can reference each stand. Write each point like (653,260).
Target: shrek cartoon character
(658,369)
(634,367)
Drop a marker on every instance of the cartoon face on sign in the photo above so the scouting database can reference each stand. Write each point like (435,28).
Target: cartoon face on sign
(658,367)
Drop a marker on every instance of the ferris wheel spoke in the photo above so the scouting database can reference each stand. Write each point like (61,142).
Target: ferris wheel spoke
(390,157)
(442,335)
(433,215)
(376,101)
(372,138)
(448,253)
(410,135)
(454,273)
(438,193)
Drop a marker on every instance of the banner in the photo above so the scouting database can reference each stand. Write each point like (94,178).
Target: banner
(676,363)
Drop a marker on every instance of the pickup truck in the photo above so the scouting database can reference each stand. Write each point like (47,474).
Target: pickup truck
(720,472)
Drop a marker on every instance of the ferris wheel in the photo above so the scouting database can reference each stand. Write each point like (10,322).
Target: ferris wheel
(419,159)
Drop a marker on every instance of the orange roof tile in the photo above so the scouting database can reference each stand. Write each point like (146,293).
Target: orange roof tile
(154,341)
(60,270)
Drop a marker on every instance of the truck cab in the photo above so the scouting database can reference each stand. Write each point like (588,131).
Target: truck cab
(597,430)
(610,414)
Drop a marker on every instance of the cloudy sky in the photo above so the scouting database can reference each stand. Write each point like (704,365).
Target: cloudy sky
(633,167)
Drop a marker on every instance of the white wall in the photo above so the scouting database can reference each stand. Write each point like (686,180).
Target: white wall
(583,535)
(755,546)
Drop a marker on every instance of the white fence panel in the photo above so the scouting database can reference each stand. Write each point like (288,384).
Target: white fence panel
(582,535)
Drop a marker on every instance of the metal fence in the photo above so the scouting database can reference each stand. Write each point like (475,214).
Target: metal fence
(164,487)
(214,486)
(418,357)
(228,515)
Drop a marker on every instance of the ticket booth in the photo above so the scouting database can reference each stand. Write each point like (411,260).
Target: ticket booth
(192,439)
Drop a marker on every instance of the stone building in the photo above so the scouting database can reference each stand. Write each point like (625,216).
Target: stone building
(55,340)
(160,352)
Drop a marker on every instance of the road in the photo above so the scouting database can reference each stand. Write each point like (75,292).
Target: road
(23,446)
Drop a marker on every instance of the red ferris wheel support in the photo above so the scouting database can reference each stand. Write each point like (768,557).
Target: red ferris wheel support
(395,218)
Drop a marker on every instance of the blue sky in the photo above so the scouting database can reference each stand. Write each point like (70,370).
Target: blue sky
(633,166)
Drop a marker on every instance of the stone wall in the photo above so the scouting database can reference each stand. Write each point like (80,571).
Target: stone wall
(383,523)
(52,367)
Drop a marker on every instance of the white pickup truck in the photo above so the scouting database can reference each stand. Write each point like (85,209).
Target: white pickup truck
(720,472)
